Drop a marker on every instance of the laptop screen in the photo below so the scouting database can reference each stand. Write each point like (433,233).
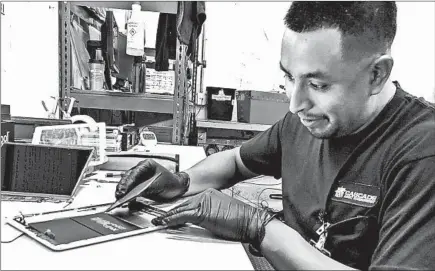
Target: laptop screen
(42,169)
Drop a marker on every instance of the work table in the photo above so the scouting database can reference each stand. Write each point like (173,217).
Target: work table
(155,250)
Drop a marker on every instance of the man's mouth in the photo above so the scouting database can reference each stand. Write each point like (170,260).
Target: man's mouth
(309,122)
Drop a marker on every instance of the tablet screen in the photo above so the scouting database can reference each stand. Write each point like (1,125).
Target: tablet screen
(41,169)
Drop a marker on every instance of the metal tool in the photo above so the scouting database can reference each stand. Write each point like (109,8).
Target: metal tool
(275,196)
(134,193)
(111,175)
(90,174)
(99,181)
(50,114)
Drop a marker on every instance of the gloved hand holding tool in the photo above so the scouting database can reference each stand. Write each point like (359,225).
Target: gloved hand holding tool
(222,215)
(168,186)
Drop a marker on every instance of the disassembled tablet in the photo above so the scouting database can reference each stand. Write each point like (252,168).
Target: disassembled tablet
(72,228)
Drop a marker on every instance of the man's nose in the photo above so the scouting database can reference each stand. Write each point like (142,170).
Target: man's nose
(299,99)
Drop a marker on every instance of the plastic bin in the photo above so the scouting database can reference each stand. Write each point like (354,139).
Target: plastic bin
(261,107)
(220,103)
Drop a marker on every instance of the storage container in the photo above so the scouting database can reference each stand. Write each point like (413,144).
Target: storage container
(220,103)
(261,107)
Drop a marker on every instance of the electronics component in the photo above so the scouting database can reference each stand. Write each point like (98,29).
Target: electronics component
(71,228)
(42,173)
(134,193)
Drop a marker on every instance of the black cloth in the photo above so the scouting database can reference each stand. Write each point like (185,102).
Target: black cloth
(375,188)
(192,18)
(166,41)
(186,25)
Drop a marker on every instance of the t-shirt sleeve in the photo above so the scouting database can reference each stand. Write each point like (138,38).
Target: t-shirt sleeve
(262,154)
(407,233)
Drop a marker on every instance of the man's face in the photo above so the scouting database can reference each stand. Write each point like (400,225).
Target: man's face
(329,92)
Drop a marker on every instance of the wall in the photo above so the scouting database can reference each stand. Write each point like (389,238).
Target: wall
(29,56)
(243,46)
(414,48)
(243,41)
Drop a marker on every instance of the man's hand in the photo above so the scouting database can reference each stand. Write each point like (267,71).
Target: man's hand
(168,186)
(223,215)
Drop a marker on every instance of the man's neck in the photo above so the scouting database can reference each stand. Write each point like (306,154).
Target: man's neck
(379,102)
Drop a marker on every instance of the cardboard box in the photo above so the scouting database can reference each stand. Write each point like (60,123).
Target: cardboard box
(6,112)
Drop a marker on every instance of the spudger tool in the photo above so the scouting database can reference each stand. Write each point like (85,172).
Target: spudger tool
(134,193)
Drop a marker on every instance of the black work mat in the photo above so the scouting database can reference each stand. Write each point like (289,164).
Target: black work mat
(259,263)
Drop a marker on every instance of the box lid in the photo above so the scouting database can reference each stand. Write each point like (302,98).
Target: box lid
(262,95)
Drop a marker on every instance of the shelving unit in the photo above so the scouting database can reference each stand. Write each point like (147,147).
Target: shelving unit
(156,103)
(145,102)
(170,7)
(231,125)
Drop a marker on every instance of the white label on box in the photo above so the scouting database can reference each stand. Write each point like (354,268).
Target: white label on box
(221,96)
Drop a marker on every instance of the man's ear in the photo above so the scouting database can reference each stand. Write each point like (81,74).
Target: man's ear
(380,73)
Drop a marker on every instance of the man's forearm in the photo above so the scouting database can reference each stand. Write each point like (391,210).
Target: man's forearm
(285,249)
(218,171)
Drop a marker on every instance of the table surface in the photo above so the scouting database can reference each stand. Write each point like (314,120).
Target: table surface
(156,250)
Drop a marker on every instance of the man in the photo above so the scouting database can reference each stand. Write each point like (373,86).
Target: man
(356,155)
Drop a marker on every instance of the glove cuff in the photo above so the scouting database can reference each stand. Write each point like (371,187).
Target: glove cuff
(184,179)
(255,246)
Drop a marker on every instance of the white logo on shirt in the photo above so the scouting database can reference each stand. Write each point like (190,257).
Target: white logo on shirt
(342,192)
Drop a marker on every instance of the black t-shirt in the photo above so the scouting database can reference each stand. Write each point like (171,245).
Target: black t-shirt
(376,188)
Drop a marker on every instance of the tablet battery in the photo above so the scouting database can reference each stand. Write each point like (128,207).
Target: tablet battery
(68,230)
(105,224)
(64,231)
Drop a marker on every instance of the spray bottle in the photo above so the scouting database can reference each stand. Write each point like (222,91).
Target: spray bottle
(96,65)
(135,32)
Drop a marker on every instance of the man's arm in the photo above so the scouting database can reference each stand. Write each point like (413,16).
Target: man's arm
(220,170)
(261,154)
(286,249)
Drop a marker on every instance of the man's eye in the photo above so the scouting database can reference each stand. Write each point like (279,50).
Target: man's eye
(322,87)
(289,77)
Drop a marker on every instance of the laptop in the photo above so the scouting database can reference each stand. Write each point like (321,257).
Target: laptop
(31,172)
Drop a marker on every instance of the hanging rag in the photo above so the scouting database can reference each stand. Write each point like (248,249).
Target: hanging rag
(166,42)
(187,24)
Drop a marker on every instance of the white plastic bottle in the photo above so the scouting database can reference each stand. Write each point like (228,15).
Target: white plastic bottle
(135,32)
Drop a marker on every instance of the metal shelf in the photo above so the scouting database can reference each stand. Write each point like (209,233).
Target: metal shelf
(231,125)
(156,6)
(174,105)
(144,102)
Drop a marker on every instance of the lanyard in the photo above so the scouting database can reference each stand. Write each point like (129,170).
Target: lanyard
(322,231)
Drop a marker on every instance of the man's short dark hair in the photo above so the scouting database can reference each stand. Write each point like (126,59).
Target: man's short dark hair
(350,17)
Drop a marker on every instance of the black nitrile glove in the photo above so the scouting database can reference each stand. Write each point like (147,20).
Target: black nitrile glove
(222,215)
(167,187)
